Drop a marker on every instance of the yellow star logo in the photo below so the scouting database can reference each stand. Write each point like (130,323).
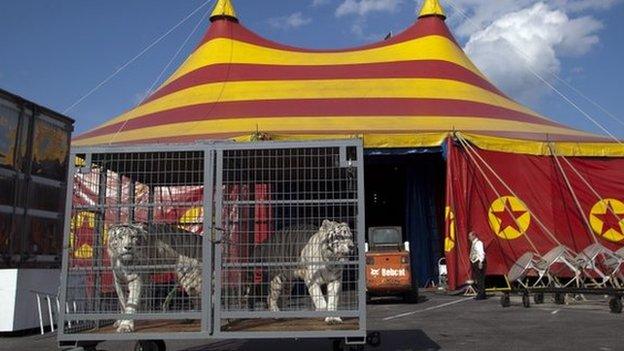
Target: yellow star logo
(607,219)
(509,217)
(191,217)
(449,241)
(84,252)
(78,221)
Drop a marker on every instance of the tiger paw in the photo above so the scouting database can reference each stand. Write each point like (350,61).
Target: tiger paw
(126,327)
(333,320)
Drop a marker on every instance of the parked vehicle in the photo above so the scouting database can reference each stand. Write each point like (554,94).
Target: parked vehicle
(34,156)
(388,270)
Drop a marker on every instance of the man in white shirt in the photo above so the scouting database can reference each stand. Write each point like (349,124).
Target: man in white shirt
(479,265)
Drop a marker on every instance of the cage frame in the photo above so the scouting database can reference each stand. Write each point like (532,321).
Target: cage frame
(211,313)
(208,161)
(343,144)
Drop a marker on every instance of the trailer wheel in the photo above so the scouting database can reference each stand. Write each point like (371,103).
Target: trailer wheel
(150,345)
(338,345)
(560,299)
(505,300)
(87,346)
(526,300)
(615,304)
(373,339)
(411,296)
(538,298)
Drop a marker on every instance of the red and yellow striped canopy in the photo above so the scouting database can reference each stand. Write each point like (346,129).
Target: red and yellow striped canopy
(409,91)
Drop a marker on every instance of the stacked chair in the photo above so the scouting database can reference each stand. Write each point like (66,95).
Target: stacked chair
(596,270)
(546,269)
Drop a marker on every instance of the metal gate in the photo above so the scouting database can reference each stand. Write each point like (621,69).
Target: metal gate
(143,223)
(289,259)
(137,263)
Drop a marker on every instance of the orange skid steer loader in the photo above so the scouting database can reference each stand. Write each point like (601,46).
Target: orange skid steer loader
(388,271)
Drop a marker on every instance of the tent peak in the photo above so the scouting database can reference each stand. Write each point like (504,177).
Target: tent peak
(223,9)
(432,8)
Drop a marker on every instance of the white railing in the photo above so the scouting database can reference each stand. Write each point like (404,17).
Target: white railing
(52,304)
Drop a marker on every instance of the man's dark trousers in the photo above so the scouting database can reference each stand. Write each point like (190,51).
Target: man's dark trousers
(478,275)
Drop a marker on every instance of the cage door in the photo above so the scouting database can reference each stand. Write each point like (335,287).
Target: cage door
(289,213)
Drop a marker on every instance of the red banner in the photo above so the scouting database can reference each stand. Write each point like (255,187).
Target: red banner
(174,205)
(521,203)
(177,205)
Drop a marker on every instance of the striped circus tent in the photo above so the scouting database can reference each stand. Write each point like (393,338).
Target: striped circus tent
(524,182)
(412,90)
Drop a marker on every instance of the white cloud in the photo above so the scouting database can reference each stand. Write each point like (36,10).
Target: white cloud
(316,3)
(294,20)
(357,28)
(583,5)
(530,40)
(483,12)
(364,7)
(360,9)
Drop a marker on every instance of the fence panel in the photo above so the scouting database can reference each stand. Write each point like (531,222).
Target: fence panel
(291,240)
(136,262)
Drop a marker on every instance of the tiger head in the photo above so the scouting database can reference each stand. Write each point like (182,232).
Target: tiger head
(126,242)
(338,238)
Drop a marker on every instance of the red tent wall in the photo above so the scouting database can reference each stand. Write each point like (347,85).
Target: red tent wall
(509,225)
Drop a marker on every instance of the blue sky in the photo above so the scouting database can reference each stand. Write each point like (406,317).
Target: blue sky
(55,51)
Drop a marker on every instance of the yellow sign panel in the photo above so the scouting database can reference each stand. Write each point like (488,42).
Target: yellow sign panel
(192,216)
(509,217)
(85,251)
(449,241)
(607,219)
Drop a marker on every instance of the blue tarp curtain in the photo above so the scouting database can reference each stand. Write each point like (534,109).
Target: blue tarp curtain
(421,217)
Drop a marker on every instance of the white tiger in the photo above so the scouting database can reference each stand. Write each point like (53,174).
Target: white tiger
(321,253)
(132,248)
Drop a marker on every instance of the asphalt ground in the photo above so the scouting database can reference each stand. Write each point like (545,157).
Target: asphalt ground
(437,322)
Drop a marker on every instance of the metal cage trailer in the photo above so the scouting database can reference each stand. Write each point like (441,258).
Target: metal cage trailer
(215,241)
(615,295)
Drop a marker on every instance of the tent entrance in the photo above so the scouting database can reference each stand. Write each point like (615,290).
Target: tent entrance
(406,189)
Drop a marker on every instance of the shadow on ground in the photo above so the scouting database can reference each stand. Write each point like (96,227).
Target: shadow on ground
(404,340)
(395,301)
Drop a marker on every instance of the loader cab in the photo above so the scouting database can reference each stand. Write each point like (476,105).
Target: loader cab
(386,239)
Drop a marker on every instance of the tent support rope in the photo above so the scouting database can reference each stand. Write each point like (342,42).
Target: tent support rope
(571,189)
(136,57)
(508,188)
(527,62)
(488,180)
(591,188)
(150,90)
